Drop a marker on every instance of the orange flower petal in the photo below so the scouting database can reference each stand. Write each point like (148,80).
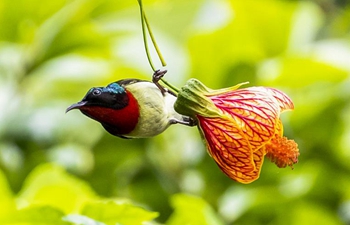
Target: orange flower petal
(254,112)
(246,177)
(258,157)
(230,149)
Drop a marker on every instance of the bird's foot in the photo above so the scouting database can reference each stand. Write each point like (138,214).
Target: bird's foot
(188,121)
(157,76)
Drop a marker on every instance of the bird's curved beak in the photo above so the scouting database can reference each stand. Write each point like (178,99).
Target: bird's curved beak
(76,106)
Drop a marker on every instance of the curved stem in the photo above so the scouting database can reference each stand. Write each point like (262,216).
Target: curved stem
(161,58)
(144,35)
(144,21)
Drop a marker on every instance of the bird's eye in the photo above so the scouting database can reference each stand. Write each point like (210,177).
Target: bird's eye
(96,92)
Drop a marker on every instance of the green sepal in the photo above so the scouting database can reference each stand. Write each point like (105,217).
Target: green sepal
(192,100)
(224,90)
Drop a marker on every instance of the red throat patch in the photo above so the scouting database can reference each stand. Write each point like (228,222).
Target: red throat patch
(124,120)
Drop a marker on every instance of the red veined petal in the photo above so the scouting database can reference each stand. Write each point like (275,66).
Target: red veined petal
(254,112)
(247,177)
(284,101)
(231,150)
(258,157)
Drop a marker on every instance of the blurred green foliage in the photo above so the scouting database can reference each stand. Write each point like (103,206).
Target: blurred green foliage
(52,52)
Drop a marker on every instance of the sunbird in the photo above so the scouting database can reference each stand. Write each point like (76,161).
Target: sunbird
(132,108)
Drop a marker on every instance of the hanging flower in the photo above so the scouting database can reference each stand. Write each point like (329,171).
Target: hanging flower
(240,126)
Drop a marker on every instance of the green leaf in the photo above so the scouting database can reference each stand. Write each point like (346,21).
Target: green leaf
(112,212)
(313,213)
(35,215)
(20,21)
(191,210)
(297,72)
(47,33)
(51,185)
(81,220)
(7,203)
(270,26)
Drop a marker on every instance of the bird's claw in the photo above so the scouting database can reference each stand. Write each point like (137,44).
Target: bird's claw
(188,121)
(157,76)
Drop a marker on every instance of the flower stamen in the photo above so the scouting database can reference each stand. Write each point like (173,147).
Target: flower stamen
(282,151)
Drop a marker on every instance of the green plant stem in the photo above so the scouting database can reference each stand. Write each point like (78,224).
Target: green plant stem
(175,89)
(144,21)
(161,58)
(145,36)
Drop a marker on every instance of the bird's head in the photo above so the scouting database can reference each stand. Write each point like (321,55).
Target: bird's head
(113,106)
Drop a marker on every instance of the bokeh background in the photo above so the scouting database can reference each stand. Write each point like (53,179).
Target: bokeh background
(52,52)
